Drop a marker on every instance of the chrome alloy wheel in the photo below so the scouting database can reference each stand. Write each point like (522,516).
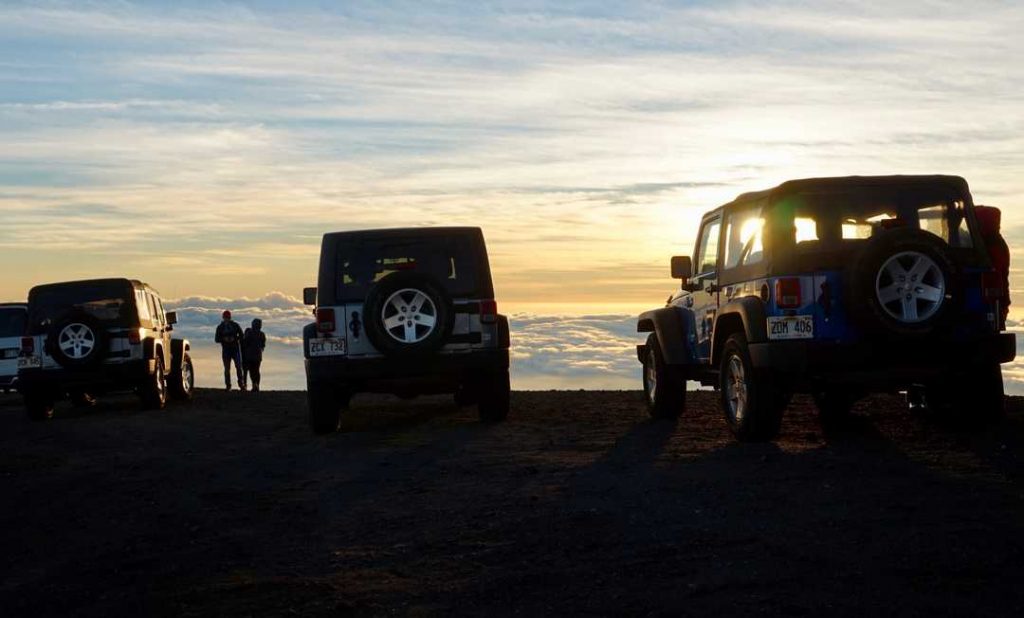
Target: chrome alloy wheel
(910,287)
(409,316)
(651,377)
(76,340)
(187,376)
(736,388)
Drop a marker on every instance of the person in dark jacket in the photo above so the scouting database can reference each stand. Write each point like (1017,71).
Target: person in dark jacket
(254,341)
(229,336)
(989,220)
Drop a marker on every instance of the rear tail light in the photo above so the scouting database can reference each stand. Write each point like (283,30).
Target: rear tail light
(488,311)
(134,336)
(325,320)
(28,346)
(992,286)
(787,293)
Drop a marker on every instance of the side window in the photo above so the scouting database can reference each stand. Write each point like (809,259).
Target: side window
(161,314)
(707,250)
(933,219)
(152,310)
(743,237)
(140,301)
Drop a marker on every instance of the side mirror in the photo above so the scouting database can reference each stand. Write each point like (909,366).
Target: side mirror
(172,318)
(309,296)
(682,267)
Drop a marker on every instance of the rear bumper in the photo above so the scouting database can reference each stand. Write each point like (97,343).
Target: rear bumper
(881,361)
(105,377)
(388,374)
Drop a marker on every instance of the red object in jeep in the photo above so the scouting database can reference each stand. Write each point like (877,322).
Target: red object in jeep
(488,311)
(28,345)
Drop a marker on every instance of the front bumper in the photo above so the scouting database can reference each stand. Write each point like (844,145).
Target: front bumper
(881,361)
(103,377)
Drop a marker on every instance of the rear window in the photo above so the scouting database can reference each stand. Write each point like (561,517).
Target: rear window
(12,321)
(451,261)
(832,217)
(107,302)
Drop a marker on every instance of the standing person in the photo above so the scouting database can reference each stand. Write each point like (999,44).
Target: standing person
(254,341)
(229,336)
(989,220)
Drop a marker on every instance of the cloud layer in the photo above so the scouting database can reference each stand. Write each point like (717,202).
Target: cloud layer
(554,350)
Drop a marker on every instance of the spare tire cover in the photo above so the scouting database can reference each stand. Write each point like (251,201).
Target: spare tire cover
(905,283)
(408,313)
(77,340)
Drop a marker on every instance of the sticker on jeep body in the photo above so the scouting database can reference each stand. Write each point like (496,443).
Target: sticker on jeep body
(791,327)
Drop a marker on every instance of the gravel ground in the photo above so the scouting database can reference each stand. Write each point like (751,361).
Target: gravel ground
(578,504)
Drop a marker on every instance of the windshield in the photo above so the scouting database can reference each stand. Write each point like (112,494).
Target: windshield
(12,321)
(830,217)
(106,302)
(449,260)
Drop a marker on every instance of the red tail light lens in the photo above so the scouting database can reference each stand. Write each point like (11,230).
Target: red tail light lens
(787,293)
(488,311)
(991,286)
(28,345)
(325,320)
(134,336)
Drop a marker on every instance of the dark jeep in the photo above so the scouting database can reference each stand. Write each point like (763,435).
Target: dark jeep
(407,312)
(86,338)
(835,287)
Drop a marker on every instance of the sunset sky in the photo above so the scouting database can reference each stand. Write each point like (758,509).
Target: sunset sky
(206,146)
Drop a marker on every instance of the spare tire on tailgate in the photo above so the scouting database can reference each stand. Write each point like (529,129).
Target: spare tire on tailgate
(408,313)
(904,283)
(77,341)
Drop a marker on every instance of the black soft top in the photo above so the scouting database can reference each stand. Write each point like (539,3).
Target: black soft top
(129,284)
(403,232)
(842,182)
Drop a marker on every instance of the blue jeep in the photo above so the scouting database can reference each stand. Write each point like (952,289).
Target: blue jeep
(835,287)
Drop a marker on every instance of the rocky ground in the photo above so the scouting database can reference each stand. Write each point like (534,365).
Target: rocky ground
(578,504)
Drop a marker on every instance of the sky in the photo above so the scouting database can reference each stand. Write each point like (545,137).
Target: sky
(206,146)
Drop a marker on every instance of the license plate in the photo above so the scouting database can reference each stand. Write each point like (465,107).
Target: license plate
(326,347)
(29,362)
(791,327)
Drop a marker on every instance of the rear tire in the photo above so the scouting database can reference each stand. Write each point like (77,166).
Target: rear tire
(834,404)
(325,404)
(182,383)
(972,399)
(38,407)
(153,393)
(494,397)
(752,405)
(664,385)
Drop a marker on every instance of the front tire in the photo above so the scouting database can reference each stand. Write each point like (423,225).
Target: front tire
(664,385)
(752,405)
(183,383)
(834,405)
(154,392)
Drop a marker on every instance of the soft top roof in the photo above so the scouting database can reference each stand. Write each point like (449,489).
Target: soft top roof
(134,283)
(840,182)
(394,232)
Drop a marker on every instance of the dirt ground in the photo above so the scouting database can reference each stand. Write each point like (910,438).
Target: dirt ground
(578,504)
